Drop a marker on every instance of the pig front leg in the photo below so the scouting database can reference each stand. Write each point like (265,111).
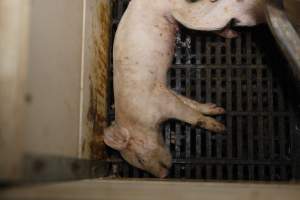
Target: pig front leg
(184,109)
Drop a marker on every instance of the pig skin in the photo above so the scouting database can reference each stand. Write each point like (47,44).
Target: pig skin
(143,52)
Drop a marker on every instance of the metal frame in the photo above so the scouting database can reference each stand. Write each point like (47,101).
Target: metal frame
(285,34)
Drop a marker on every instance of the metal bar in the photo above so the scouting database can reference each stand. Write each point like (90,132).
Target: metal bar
(260,137)
(178,139)
(177,148)
(208,99)
(218,54)
(168,135)
(228,117)
(208,171)
(136,172)
(120,9)
(208,50)
(251,172)
(205,66)
(188,142)
(285,34)
(178,125)
(188,150)
(295,138)
(249,49)
(188,128)
(199,153)
(178,54)
(188,55)
(240,174)
(229,171)
(238,53)
(222,162)
(219,138)
(220,172)
(212,161)
(282,142)
(283,173)
(239,132)
(198,50)
(272,172)
(260,147)
(199,172)
(271,122)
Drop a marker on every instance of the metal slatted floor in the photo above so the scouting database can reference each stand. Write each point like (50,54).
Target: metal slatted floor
(245,76)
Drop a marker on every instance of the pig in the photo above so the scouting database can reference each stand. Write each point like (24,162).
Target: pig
(142,54)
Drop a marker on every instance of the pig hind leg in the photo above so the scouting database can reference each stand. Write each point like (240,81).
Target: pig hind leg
(189,111)
(204,108)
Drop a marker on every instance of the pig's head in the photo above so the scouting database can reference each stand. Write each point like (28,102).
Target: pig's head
(145,151)
(212,15)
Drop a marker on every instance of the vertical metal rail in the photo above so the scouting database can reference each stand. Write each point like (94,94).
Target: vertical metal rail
(208,99)
(218,91)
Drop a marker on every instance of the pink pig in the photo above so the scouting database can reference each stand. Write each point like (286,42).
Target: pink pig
(143,52)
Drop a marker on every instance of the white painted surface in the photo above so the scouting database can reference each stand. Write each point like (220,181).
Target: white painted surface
(13,55)
(52,115)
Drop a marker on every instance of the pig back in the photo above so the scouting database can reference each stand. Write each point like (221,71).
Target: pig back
(143,51)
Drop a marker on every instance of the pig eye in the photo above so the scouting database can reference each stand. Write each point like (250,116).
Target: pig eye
(140,160)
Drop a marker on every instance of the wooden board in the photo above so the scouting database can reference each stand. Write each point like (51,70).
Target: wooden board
(154,190)
(95,79)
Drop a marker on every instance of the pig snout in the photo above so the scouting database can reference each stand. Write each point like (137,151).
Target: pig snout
(144,151)
(156,160)
(159,165)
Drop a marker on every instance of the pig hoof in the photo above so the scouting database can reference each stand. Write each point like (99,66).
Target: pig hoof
(220,128)
(213,109)
(212,125)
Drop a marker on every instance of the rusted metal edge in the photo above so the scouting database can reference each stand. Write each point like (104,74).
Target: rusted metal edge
(98,81)
(286,36)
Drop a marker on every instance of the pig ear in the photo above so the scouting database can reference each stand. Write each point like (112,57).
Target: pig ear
(116,137)
(203,15)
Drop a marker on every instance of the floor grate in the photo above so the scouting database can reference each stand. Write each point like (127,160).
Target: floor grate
(244,75)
